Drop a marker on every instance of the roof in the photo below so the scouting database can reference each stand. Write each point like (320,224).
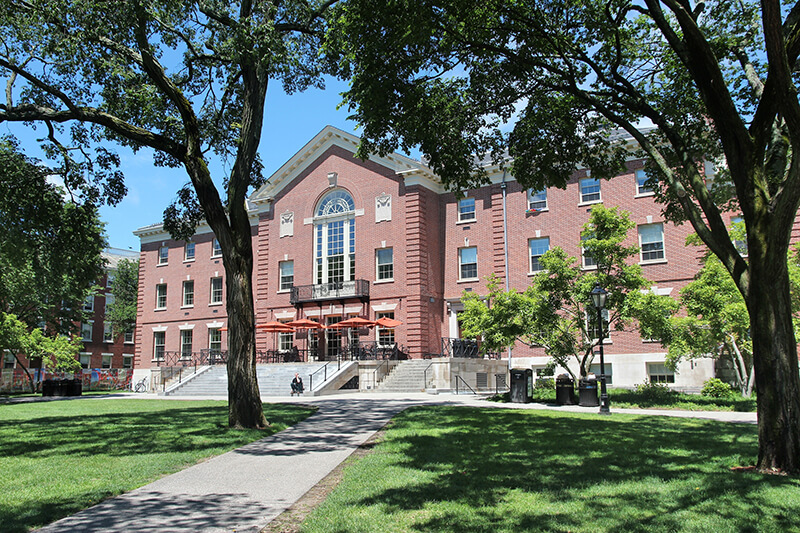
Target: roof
(113,256)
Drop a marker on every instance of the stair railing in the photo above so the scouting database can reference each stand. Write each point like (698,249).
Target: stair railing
(324,370)
(425,372)
(458,379)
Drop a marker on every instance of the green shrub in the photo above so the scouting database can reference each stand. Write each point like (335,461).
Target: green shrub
(545,383)
(654,392)
(716,388)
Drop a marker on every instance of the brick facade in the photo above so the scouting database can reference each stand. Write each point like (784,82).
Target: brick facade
(423,230)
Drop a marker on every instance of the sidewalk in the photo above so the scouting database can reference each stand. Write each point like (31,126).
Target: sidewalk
(246,488)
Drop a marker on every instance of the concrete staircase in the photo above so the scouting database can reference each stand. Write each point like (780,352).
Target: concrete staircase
(273,380)
(408,376)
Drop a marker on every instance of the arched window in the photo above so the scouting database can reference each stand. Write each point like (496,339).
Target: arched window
(335,238)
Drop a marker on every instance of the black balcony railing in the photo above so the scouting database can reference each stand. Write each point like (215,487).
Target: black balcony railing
(468,348)
(339,290)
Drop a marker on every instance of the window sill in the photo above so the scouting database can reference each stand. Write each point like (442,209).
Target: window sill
(214,304)
(468,280)
(590,267)
(284,291)
(187,306)
(653,262)
(157,309)
(381,281)
(644,195)
(590,202)
(188,260)
(537,272)
(469,221)
(533,210)
(162,264)
(216,256)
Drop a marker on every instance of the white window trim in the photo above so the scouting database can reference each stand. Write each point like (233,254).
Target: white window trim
(157,308)
(377,265)
(659,261)
(531,271)
(528,201)
(211,291)
(640,194)
(581,201)
(159,262)
(213,250)
(280,277)
(184,305)
(186,249)
(477,276)
(474,218)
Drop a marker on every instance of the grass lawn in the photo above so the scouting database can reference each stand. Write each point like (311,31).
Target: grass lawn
(458,469)
(59,457)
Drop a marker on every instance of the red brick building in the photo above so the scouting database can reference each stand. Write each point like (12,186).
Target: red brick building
(336,237)
(102,349)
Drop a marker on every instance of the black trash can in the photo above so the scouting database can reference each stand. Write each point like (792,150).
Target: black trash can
(48,387)
(588,392)
(74,387)
(565,390)
(521,385)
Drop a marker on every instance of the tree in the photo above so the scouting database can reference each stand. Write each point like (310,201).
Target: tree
(121,312)
(548,81)
(50,251)
(556,312)
(711,321)
(60,351)
(187,79)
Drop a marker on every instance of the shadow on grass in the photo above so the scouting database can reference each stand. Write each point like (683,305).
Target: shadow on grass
(72,454)
(144,429)
(585,473)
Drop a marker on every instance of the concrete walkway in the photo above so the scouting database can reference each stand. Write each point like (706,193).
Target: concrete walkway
(243,490)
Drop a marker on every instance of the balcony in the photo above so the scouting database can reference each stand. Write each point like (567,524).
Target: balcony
(340,290)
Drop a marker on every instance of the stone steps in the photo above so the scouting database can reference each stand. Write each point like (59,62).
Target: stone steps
(273,380)
(408,376)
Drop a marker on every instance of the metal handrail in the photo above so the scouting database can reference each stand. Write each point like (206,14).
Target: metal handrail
(425,372)
(459,378)
(325,375)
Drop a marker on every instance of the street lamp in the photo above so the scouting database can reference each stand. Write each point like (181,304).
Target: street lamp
(599,296)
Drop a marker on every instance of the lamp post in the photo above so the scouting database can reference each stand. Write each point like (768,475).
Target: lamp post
(599,296)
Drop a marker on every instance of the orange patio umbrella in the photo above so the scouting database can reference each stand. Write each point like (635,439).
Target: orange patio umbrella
(386,322)
(274,326)
(355,322)
(305,323)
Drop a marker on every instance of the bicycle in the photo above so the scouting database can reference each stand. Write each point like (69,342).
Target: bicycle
(141,386)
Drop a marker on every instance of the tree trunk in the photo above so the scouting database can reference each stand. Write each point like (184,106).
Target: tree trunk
(245,409)
(25,369)
(774,360)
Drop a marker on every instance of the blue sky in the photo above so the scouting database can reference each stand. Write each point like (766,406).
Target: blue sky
(289,123)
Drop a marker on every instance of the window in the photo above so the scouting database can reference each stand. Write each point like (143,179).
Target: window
(163,255)
(595,369)
(216,249)
(591,324)
(109,281)
(285,341)
(106,363)
(8,360)
(287,275)
(108,333)
(651,241)
(214,340)
(161,296)
(739,235)
(590,190)
(659,373)
(188,251)
(384,259)
(127,361)
(641,179)
(216,290)
(85,360)
(466,209)
(128,338)
(188,293)
(537,200)
(385,335)
(86,330)
(109,300)
(88,304)
(186,343)
(538,247)
(335,238)
(159,343)
(468,263)
(587,261)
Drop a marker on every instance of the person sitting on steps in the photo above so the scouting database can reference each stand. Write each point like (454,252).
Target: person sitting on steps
(297,384)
